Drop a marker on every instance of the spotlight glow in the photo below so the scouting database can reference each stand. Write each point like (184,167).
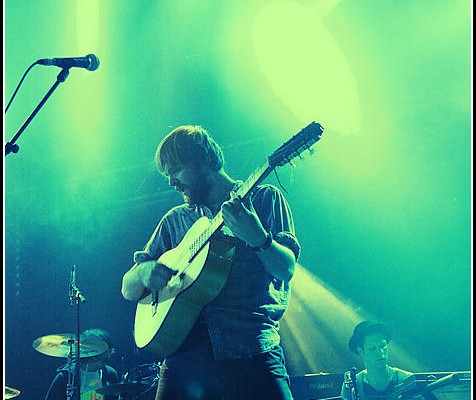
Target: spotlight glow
(318,325)
(305,65)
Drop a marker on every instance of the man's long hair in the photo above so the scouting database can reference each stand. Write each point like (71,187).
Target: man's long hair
(189,145)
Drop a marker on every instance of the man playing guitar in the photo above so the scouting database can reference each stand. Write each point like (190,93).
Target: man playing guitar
(231,349)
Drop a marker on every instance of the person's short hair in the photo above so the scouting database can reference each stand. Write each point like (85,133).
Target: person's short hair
(97,333)
(366,328)
(189,145)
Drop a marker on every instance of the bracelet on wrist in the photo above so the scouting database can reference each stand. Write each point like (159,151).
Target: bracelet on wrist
(266,245)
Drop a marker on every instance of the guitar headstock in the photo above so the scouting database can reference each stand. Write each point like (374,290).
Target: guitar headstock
(296,145)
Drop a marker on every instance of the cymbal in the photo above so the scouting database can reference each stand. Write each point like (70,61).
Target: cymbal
(11,393)
(124,389)
(58,345)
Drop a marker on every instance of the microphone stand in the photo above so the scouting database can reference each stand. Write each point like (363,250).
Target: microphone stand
(355,390)
(11,147)
(70,384)
(350,383)
(76,298)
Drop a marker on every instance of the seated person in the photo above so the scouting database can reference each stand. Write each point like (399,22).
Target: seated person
(95,373)
(377,381)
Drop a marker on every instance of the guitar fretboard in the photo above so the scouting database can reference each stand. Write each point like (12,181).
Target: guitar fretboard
(283,155)
(217,221)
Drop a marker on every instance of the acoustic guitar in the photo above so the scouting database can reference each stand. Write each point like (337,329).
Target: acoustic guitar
(203,262)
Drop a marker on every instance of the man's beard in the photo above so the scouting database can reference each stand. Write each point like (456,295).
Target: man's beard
(198,193)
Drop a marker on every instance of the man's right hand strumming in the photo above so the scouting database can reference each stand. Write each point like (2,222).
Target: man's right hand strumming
(149,275)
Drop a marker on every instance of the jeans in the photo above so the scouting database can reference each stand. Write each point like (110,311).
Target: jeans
(195,375)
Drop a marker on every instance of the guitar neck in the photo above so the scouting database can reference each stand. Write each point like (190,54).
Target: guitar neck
(254,179)
(283,155)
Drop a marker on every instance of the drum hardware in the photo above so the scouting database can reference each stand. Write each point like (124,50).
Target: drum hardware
(126,390)
(10,392)
(147,373)
(141,395)
(71,346)
(135,384)
(60,345)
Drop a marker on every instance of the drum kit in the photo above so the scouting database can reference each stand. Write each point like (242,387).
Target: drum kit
(10,393)
(137,384)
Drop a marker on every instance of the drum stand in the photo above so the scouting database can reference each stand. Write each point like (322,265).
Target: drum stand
(142,394)
(73,386)
(139,379)
(70,389)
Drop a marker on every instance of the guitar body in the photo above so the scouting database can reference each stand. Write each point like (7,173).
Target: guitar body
(162,326)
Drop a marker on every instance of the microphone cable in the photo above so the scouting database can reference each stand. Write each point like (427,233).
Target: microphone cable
(19,84)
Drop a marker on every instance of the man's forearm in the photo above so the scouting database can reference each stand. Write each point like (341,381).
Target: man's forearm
(132,286)
(279,261)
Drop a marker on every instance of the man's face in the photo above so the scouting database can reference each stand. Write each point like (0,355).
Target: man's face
(190,181)
(95,362)
(374,351)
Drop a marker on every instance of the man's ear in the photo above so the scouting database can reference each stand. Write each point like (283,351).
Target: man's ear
(360,351)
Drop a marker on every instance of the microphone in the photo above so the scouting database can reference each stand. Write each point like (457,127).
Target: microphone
(90,62)
(73,275)
(74,292)
(72,282)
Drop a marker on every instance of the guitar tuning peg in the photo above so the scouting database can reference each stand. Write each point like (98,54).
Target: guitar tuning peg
(311,151)
(292,164)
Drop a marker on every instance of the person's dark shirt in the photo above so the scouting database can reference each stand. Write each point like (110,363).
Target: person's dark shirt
(243,320)
(367,392)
